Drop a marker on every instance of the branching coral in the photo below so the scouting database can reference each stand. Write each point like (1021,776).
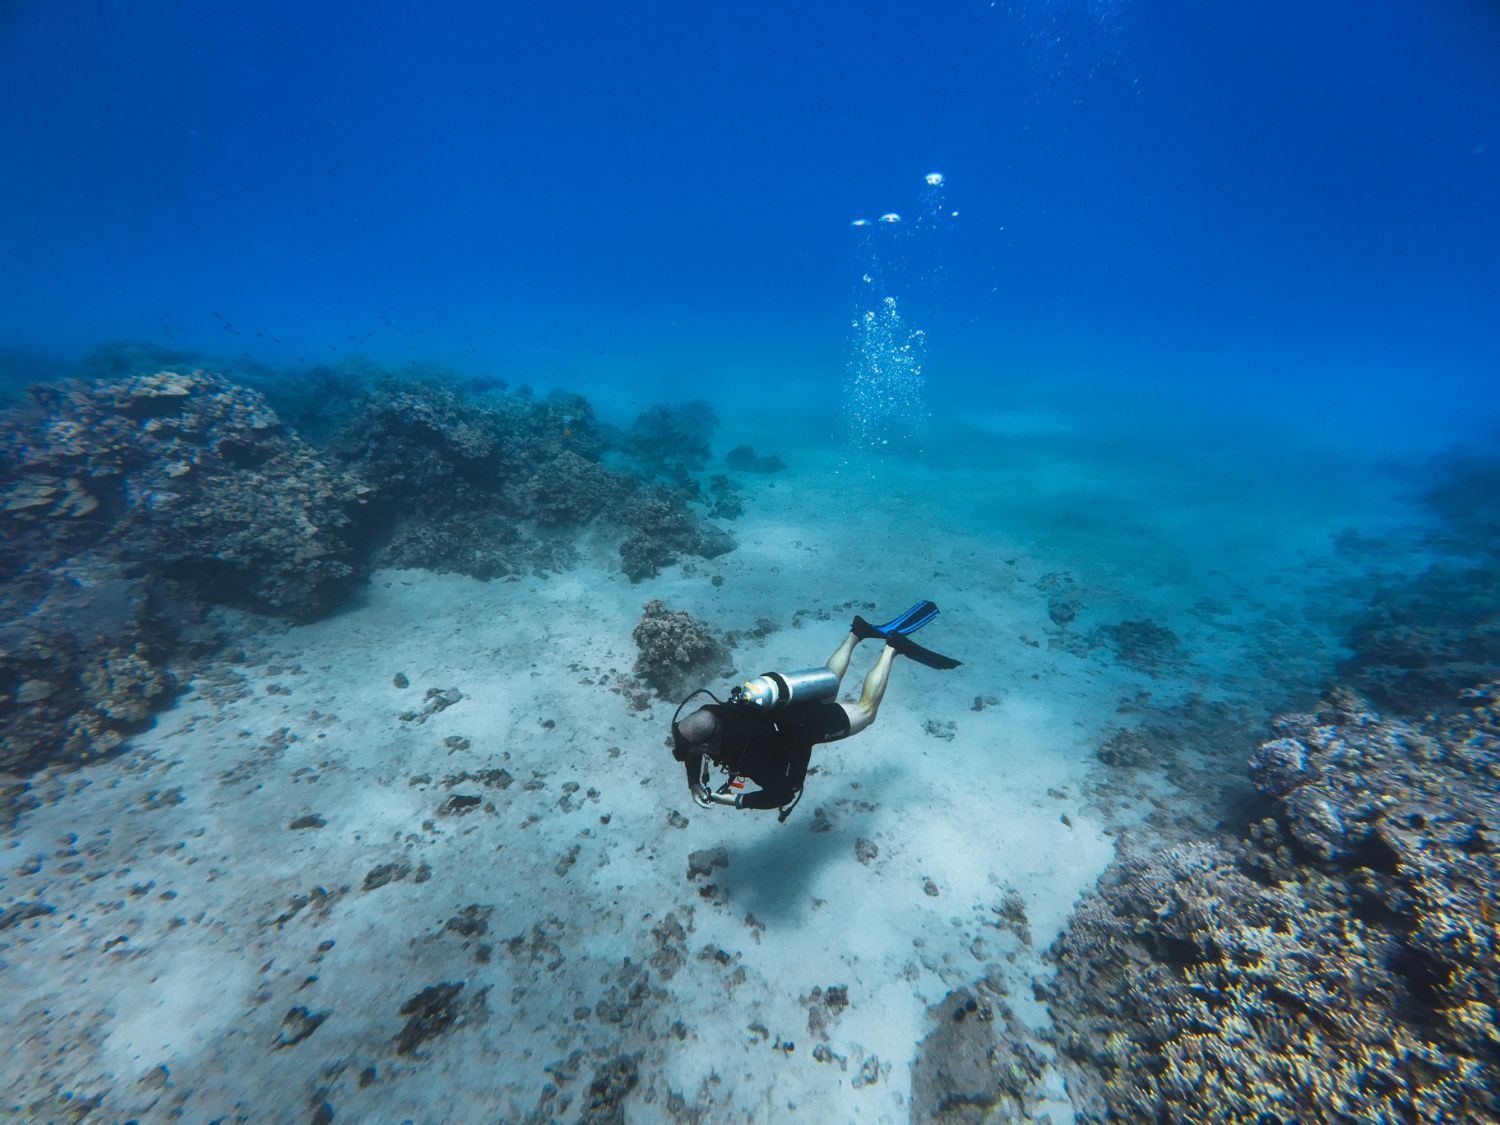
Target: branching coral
(1341,965)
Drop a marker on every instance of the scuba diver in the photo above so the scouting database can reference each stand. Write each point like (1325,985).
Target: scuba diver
(768,727)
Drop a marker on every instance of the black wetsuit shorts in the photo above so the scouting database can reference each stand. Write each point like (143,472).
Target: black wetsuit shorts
(774,754)
(815,722)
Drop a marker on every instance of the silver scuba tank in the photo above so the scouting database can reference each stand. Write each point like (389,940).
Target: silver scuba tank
(782,689)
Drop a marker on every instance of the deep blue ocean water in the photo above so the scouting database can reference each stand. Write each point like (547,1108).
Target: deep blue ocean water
(1157,340)
(1275,208)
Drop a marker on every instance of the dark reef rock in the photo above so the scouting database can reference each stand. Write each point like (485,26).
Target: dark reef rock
(1426,637)
(677,651)
(1062,594)
(384,873)
(412,437)
(123,505)
(1341,964)
(1464,495)
(671,439)
(1386,794)
(313,400)
(706,861)
(82,664)
(456,534)
(297,1025)
(317,401)
(975,1064)
(1279,766)
(1126,749)
(1143,645)
(662,532)
(727,502)
(129,504)
(1423,641)
(429,1013)
(453,477)
(611,1085)
(744,459)
(496,485)
(181,475)
(472,921)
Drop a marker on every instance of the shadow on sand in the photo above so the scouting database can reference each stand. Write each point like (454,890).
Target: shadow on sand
(772,876)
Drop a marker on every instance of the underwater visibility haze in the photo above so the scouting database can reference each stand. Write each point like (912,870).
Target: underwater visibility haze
(862,562)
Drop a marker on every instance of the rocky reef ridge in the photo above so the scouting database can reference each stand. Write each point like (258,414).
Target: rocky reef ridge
(128,505)
(1339,963)
(132,504)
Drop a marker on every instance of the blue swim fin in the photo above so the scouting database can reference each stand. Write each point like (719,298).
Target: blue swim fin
(913,651)
(903,625)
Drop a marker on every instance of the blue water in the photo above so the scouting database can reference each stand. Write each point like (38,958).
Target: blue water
(1289,208)
(1156,340)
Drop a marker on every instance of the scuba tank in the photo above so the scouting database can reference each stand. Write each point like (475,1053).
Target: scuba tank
(775,690)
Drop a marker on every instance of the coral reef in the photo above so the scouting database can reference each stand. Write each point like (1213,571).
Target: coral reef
(485,485)
(1280,766)
(82,665)
(1142,645)
(1341,963)
(677,651)
(974,1064)
(411,438)
(727,502)
(662,531)
(1424,640)
(1426,637)
(129,502)
(744,459)
(183,475)
(124,503)
(671,439)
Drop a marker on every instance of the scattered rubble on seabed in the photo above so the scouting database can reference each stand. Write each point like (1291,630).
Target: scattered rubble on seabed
(335,884)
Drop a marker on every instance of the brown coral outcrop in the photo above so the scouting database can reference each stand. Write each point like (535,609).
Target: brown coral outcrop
(124,502)
(1340,965)
(180,474)
(676,650)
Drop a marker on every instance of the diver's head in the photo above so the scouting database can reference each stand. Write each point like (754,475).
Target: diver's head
(698,732)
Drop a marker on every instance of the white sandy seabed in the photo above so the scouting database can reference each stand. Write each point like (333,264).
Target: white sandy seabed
(204,955)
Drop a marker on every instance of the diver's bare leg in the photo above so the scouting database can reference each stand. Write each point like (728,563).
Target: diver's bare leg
(862,714)
(838,663)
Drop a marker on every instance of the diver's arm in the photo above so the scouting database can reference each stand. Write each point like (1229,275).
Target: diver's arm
(764,799)
(693,762)
(779,795)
